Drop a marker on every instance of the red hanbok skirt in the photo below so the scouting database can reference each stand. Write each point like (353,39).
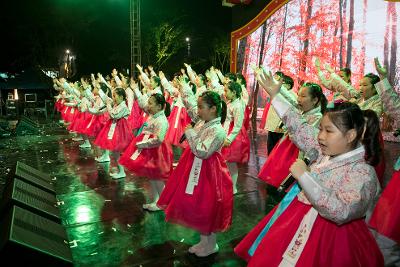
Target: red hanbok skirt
(177,124)
(329,244)
(58,105)
(239,150)
(80,122)
(120,139)
(135,118)
(153,163)
(63,112)
(246,121)
(276,168)
(209,208)
(96,124)
(386,216)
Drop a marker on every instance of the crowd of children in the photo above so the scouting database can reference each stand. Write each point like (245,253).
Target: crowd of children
(332,215)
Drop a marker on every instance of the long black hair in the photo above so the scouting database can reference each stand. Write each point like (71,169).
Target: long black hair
(213,99)
(346,116)
(315,91)
(160,100)
(121,92)
(236,88)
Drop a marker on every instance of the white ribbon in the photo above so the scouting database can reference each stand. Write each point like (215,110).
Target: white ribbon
(177,117)
(299,241)
(90,123)
(138,150)
(72,110)
(111,131)
(194,175)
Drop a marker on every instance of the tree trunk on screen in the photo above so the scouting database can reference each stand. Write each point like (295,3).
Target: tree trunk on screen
(393,45)
(350,34)
(364,22)
(256,88)
(386,38)
(341,33)
(241,54)
(283,38)
(306,43)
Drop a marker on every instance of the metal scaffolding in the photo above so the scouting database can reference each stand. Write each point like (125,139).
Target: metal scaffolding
(136,53)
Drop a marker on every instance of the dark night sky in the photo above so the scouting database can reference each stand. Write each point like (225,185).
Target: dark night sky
(97,31)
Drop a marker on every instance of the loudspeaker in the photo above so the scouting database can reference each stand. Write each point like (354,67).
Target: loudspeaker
(26,126)
(28,239)
(31,198)
(34,177)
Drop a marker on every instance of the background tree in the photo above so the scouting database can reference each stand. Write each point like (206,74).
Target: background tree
(221,53)
(167,42)
(350,34)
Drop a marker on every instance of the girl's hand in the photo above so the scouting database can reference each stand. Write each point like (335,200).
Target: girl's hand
(298,168)
(329,68)
(269,84)
(132,84)
(318,64)
(382,71)
(189,126)
(227,142)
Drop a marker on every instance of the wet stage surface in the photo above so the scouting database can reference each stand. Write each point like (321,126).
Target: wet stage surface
(105,216)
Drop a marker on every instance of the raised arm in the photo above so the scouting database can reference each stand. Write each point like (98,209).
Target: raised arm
(141,98)
(324,81)
(192,75)
(190,101)
(303,134)
(144,76)
(389,97)
(167,85)
(101,78)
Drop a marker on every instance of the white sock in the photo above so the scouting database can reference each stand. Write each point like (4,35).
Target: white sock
(154,188)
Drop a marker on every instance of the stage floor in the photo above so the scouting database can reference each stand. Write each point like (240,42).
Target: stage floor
(105,216)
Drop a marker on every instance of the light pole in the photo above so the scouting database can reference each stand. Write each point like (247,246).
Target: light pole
(67,64)
(188,46)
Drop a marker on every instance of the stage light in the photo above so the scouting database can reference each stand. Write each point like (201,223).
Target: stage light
(67,51)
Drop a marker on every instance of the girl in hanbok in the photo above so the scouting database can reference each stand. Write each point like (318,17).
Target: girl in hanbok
(311,102)
(149,155)
(98,112)
(198,193)
(237,143)
(367,98)
(263,124)
(116,135)
(385,218)
(321,220)
(179,119)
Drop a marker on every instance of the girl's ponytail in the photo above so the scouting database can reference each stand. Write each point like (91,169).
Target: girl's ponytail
(371,137)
